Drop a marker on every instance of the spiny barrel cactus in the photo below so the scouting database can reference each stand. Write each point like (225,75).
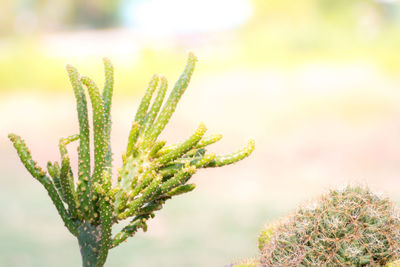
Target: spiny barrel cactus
(89,202)
(347,227)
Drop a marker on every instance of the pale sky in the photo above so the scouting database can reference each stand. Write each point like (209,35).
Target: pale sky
(161,17)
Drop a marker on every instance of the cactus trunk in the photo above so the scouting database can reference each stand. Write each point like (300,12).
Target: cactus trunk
(89,238)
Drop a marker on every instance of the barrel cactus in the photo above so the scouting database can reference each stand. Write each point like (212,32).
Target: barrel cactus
(347,227)
(90,202)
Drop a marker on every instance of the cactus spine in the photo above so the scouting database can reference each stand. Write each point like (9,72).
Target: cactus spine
(151,172)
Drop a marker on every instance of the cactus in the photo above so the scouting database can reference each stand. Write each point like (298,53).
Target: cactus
(89,202)
(347,227)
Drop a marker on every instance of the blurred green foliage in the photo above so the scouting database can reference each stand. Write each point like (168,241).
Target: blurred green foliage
(339,30)
(281,34)
(26,65)
(18,15)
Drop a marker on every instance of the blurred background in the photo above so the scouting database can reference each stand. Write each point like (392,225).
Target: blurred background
(314,82)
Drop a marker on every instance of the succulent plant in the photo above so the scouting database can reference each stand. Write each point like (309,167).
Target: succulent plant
(347,227)
(89,202)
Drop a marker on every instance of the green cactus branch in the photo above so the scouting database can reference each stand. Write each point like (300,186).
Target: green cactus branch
(151,172)
(170,106)
(38,173)
(107,97)
(54,171)
(84,143)
(145,103)
(66,177)
(155,108)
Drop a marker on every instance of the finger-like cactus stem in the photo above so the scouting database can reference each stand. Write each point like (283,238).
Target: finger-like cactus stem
(181,190)
(98,128)
(108,87)
(205,160)
(170,170)
(99,135)
(84,142)
(170,106)
(184,147)
(178,179)
(208,140)
(202,143)
(134,132)
(144,105)
(26,158)
(66,178)
(234,157)
(152,206)
(130,230)
(107,97)
(54,171)
(157,146)
(155,108)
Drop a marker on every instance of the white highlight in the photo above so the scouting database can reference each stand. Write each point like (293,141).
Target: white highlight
(160,17)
